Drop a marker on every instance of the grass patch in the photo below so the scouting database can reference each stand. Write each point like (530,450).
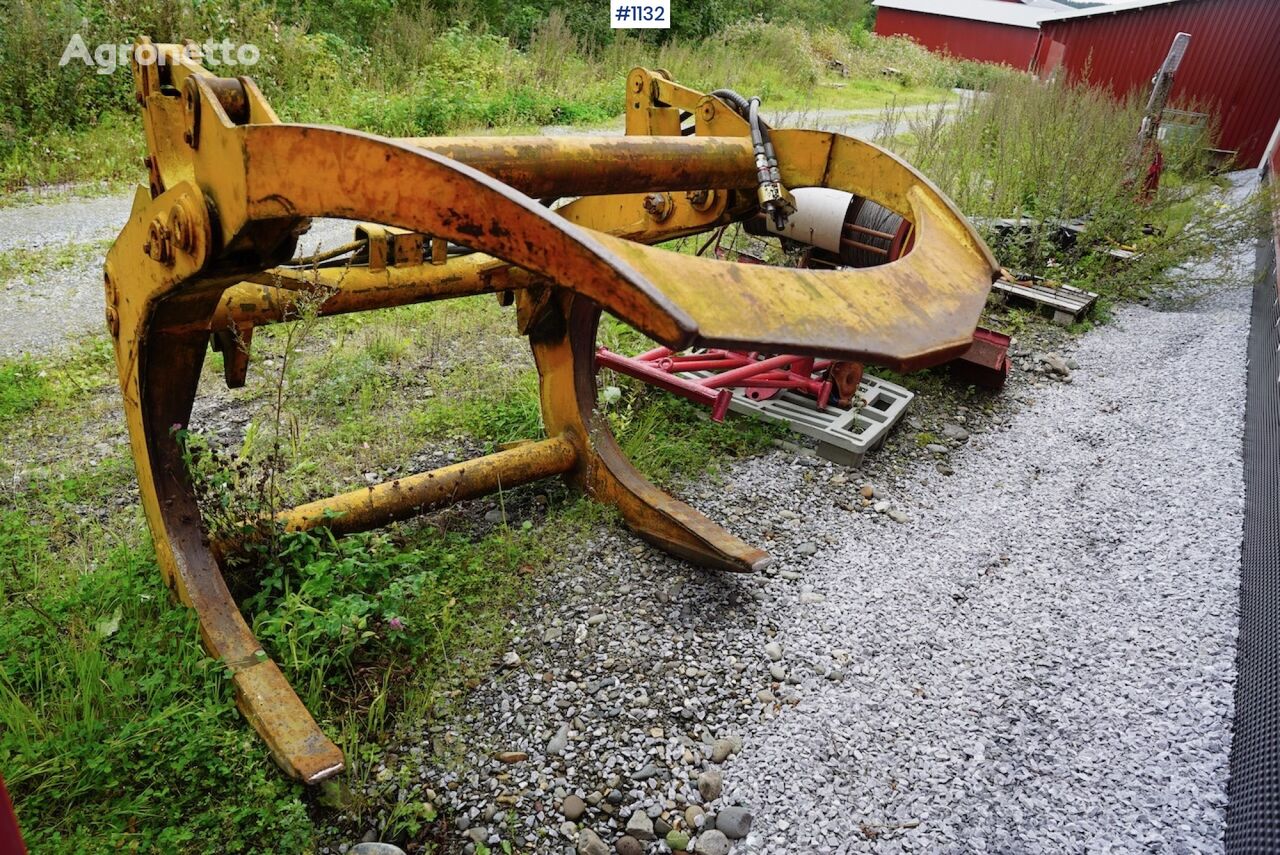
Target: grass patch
(22,263)
(107,154)
(23,387)
(669,439)
(116,731)
(36,392)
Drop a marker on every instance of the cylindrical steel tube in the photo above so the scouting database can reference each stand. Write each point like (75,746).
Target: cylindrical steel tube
(690,390)
(744,374)
(595,165)
(361,510)
(272,296)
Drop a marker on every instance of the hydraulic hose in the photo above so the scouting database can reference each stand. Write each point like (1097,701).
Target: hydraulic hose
(735,100)
(772,196)
(768,176)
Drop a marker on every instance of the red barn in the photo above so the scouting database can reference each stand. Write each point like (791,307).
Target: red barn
(1003,31)
(1231,68)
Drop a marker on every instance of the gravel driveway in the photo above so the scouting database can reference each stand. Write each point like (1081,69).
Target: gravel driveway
(1041,659)
(42,313)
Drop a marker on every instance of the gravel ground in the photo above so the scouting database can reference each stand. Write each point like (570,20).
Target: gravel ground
(1032,653)
(42,313)
(39,314)
(1042,658)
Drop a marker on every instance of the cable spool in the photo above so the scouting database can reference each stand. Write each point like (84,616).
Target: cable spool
(843,230)
(872,235)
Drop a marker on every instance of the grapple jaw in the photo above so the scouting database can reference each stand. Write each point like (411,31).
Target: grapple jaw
(205,255)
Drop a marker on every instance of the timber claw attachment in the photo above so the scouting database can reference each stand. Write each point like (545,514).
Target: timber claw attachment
(205,257)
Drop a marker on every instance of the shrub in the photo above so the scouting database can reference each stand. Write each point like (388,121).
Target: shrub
(779,46)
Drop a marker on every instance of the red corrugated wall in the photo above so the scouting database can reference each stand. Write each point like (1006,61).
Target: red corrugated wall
(1232,66)
(960,37)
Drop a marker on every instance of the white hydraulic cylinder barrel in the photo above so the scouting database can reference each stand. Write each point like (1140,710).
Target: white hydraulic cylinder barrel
(818,219)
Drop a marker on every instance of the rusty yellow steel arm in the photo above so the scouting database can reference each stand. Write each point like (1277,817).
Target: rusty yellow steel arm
(205,256)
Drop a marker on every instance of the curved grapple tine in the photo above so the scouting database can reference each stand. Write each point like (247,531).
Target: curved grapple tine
(159,372)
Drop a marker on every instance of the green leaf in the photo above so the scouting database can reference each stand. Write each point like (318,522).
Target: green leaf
(109,626)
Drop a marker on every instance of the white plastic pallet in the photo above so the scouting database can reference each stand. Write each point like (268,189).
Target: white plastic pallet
(844,435)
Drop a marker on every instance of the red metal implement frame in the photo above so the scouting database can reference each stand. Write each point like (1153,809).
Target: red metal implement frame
(762,376)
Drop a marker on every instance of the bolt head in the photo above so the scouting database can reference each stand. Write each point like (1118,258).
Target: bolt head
(658,206)
(701,200)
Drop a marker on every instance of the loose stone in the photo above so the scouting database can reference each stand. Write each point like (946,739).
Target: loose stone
(628,845)
(734,822)
(710,783)
(712,843)
(560,741)
(640,826)
(589,843)
(573,808)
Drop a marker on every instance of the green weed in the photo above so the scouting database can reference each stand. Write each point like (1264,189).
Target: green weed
(23,387)
(116,730)
(669,439)
(1061,152)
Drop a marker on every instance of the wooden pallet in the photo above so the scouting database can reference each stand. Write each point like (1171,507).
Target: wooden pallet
(1066,304)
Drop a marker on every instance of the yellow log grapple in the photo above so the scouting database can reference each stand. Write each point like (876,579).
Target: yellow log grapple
(562,228)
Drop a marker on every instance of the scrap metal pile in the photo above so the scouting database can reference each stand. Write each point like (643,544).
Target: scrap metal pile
(562,229)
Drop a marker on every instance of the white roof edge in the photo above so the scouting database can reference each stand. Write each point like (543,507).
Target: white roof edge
(1266,155)
(1108,9)
(990,11)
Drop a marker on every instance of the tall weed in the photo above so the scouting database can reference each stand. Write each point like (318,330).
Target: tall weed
(1056,152)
